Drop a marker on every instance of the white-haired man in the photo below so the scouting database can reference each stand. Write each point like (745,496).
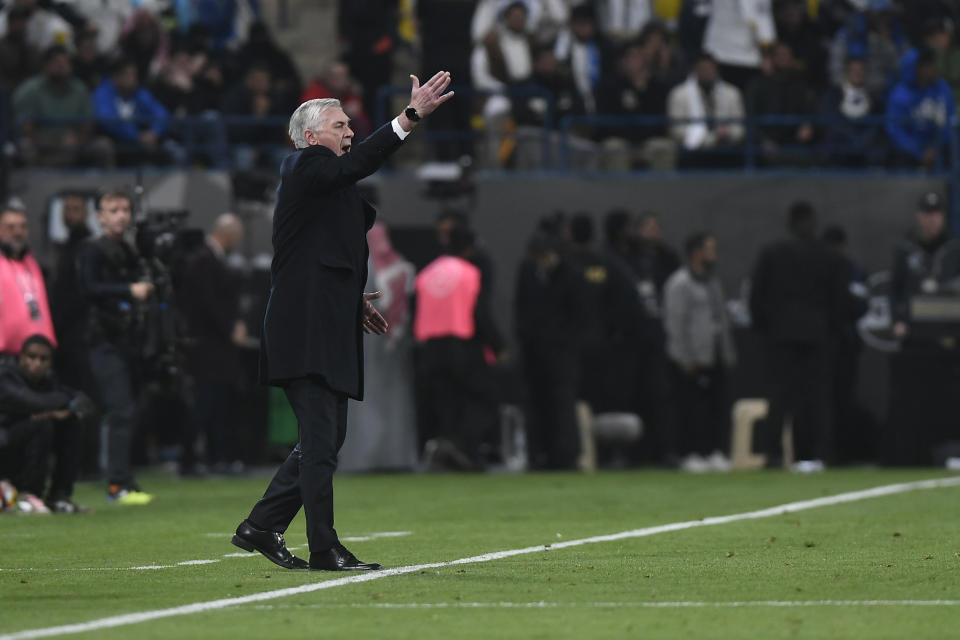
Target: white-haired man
(312,344)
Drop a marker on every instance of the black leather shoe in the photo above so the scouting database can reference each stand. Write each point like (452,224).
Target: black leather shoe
(269,543)
(339,559)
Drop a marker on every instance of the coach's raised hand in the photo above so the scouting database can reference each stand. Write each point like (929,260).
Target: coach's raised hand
(425,98)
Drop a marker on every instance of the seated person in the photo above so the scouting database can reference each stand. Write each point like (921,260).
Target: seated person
(39,415)
(919,112)
(707,116)
(134,118)
(851,137)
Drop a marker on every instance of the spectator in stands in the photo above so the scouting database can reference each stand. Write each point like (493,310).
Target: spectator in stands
(444,27)
(144,42)
(701,351)
(337,83)
(260,140)
(585,53)
(19,58)
(548,86)
(505,55)
(938,36)
(368,37)
(225,22)
(797,29)
(39,416)
(133,118)
(547,78)
(44,28)
(874,36)
(22,288)
(781,91)
(261,50)
(503,60)
(849,137)
(926,261)
(175,83)
(635,91)
(545,18)
(692,25)
(919,113)
(623,20)
(707,116)
(666,61)
(798,305)
(58,95)
(88,63)
(736,34)
(210,301)
(453,325)
(105,20)
(549,307)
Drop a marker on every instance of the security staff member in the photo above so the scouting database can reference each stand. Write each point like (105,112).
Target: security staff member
(453,324)
(108,273)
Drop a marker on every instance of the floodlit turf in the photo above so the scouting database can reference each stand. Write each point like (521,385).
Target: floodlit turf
(744,579)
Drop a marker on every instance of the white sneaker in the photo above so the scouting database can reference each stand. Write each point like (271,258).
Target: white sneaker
(29,503)
(808,466)
(693,463)
(718,462)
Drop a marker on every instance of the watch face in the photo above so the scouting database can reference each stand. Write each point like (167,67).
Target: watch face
(412,114)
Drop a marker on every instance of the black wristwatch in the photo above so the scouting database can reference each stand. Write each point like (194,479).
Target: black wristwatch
(412,114)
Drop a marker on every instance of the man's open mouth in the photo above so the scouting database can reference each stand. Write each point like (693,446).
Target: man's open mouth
(345,148)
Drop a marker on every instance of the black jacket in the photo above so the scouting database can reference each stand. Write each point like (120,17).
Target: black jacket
(915,262)
(319,269)
(21,398)
(799,292)
(209,300)
(106,268)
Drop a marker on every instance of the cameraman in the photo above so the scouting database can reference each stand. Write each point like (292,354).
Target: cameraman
(109,280)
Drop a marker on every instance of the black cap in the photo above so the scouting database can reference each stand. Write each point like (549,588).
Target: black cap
(930,202)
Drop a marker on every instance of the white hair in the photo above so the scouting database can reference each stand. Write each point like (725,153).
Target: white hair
(309,115)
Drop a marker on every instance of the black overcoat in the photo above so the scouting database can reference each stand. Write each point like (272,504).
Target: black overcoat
(312,323)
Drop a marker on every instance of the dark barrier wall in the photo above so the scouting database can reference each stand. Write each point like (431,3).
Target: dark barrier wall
(743,211)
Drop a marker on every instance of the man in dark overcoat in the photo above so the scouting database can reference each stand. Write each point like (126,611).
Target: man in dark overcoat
(312,344)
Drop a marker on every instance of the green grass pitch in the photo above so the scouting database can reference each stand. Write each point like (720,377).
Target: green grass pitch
(885,567)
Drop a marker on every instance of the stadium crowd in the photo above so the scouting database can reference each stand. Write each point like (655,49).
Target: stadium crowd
(636,83)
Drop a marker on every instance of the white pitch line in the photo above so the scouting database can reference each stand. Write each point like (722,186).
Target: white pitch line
(682,604)
(213,605)
(374,536)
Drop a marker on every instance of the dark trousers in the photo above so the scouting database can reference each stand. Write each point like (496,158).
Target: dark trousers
(552,374)
(701,410)
(306,476)
(113,373)
(211,408)
(26,456)
(800,383)
(458,392)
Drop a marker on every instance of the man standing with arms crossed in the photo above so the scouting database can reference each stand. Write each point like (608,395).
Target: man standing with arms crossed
(312,344)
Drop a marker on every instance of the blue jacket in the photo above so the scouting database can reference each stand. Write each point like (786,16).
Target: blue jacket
(146,111)
(918,119)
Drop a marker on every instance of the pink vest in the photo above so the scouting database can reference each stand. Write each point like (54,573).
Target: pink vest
(447,291)
(22,288)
